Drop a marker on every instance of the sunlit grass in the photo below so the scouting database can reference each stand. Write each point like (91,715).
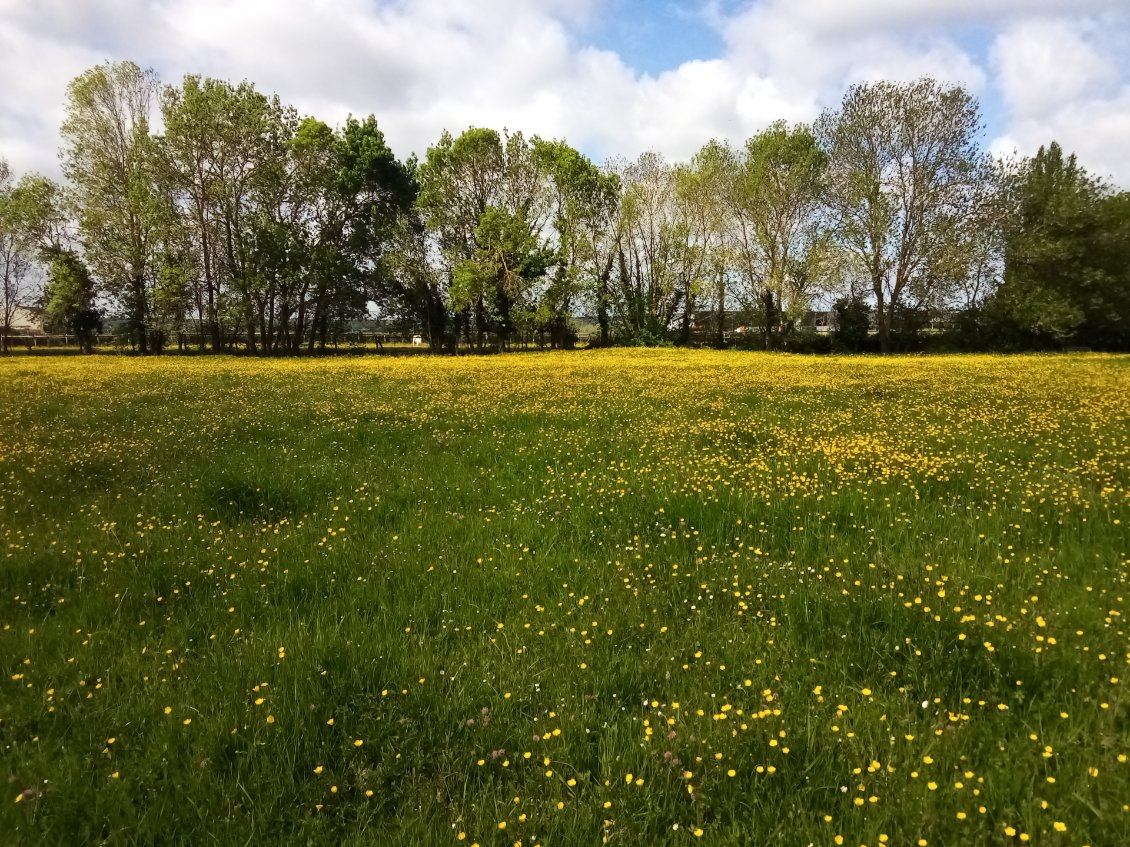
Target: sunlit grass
(647,597)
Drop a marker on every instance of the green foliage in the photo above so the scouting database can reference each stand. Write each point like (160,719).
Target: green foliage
(852,318)
(903,178)
(111,161)
(243,223)
(69,298)
(647,338)
(18,245)
(807,341)
(1067,256)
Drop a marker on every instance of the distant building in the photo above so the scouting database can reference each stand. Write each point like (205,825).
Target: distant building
(707,320)
(819,321)
(27,321)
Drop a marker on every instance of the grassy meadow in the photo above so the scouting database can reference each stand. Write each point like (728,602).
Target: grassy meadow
(622,597)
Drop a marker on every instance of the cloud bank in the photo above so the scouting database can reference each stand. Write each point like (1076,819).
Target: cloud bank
(1044,68)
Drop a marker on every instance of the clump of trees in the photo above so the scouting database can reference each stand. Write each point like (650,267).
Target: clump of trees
(242,225)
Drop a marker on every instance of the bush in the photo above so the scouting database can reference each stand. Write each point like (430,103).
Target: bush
(853,325)
(807,341)
(907,328)
(647,338)
(747,341)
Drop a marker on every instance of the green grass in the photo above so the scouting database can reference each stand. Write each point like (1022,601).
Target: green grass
(870,577)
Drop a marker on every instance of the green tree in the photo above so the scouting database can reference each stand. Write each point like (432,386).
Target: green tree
(700,201)
(1067,254)
(109,157)
(654,253)
(223,145)
(32,220)
(583,201)
(353,194)
(410,288)
(509,259)
(903,176)
(781,245)
(16,257)
(852,318)
(69,298)
(476,192)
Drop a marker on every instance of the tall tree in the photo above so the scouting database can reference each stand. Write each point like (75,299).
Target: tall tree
(32,221)
(1067,255)
(109,158)
(461,181)
(69,297)
(652,260)
(780,240)
(16,257)
(355,194)
(700,188)
(221,142)
(583,200)
(411,286)
(904,168)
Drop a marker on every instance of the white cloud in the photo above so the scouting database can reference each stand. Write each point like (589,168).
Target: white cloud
(425,65)
(1096,130)
(869,15)
(1045,64)
(1066,80)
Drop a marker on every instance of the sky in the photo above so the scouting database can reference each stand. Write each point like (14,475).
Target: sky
(612,77)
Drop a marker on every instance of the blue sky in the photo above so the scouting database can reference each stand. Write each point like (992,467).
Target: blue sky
(610,76)
(654,37)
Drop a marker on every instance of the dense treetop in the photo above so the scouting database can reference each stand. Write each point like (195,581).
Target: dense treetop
(241,223)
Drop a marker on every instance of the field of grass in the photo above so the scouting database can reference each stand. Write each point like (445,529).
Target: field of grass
(624,597)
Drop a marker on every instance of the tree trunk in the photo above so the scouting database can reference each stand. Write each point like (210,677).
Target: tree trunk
(437,325)
(602,316)
(480,319)
(767,318)
(249,316)
(883,321)
(720,330)
(685,332)
(214,332)
(141,317)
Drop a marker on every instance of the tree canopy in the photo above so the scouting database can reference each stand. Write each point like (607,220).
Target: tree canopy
(215,214)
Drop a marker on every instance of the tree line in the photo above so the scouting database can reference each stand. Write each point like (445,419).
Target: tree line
(211,209)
